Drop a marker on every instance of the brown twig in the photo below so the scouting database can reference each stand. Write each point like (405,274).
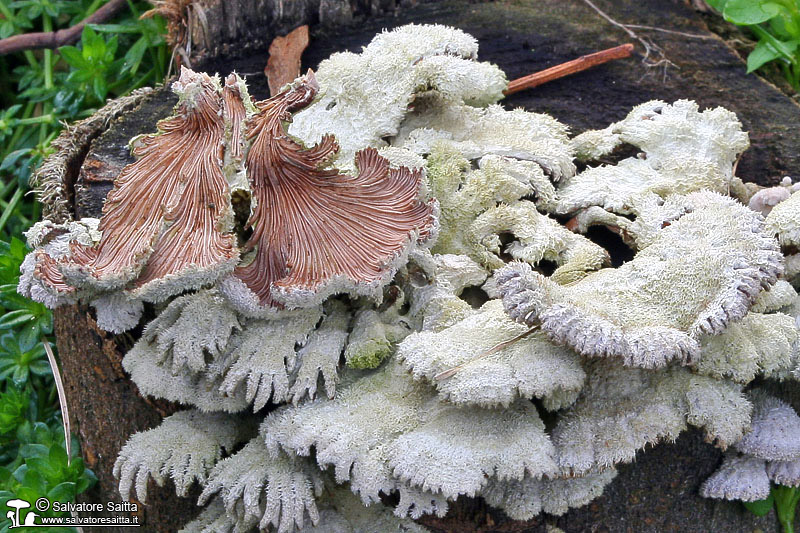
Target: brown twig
(54,39)
(568,68)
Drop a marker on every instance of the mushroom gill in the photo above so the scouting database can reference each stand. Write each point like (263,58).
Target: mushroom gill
(165,222)
(316,231)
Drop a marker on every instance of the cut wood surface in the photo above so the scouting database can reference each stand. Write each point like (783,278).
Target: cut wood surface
(658,493)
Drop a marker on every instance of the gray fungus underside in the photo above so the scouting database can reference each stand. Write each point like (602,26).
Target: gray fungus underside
(659,492)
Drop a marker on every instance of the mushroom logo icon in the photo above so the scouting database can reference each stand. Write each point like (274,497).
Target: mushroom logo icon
(13,515)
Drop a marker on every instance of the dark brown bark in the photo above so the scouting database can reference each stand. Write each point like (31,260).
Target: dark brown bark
(657,493)
(105,407)
(234,27)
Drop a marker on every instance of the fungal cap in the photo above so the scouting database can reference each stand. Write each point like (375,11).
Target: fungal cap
(166,223)
(775,433)
(739,478)
(785,473)
(318,232)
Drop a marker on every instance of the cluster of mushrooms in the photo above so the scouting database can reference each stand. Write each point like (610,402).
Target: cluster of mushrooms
(378,281)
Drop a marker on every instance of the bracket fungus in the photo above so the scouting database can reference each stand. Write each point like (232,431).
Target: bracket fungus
(166,223)
(522,500)
(478,205)
(40,278)
(258,489)
(530,368)
(318,232)
(204,438)
(477,132)
(622,410)
(386,433)
(415,290)
(739,478)
(653,309)
(784,222)
(683,150)
(365,97)
(435,285)
(769,452)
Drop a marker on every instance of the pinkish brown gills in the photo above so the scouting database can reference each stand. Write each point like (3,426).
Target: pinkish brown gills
(162,217)
(311,225)
(314,229)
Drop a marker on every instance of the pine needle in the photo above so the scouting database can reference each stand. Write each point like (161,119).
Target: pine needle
(494,349)
(62,398)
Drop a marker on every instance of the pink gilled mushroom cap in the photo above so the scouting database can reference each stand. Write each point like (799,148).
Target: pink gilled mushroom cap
(235,112)
(317,232)
(165,224)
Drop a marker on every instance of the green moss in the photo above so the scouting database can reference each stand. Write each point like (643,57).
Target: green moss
(369,355)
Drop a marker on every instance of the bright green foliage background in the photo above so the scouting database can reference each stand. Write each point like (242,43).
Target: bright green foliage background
(776,23)
(40,90)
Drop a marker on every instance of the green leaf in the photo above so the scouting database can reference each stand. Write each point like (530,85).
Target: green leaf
(58,457)
(750,11)
(35,481)
(20,376)
(111,48)
(25,432)
(764,52)
(133,57)
(760,507)
(5,476)
(786,500)
(73,56)
(116,28)
(80,76)
(7,29)
(30,492)
(41,367)
(34,450)
(63,492)
(15,318)
(28,336)
(84,483)
(719,5)
(43,467)
(94,47)
(100,88)
(42,434)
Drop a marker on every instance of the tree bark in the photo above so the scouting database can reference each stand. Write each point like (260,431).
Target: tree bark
(234,27)
(659,492)
(106,407)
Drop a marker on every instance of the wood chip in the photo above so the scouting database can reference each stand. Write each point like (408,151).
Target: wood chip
(283,65)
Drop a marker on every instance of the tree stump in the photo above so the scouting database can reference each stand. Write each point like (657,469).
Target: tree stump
(658,493)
